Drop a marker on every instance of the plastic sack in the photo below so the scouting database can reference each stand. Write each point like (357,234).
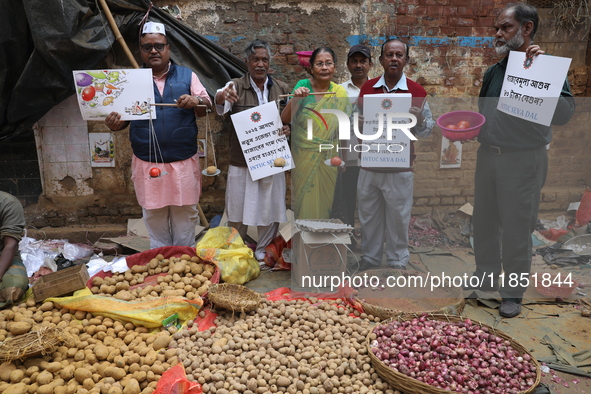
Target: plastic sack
(74,252)
(224,247)
(274,254)
(174,381)
(143,313)
(144,258)
(36,255)
(583,214)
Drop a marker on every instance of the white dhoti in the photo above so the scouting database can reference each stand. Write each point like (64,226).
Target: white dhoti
(258,203)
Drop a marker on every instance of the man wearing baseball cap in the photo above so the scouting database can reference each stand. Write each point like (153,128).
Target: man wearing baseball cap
(359,63)
(345,201)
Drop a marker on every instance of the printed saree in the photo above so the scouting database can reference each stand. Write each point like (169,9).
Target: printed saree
(313,182)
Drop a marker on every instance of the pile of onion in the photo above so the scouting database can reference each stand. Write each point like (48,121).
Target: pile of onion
(457,356)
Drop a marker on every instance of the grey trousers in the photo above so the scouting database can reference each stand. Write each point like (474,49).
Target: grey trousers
(385,203)
(171,225)
(506,203)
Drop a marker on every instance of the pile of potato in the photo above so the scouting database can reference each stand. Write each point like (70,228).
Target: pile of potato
(185,276)
(282,347)
(99,356)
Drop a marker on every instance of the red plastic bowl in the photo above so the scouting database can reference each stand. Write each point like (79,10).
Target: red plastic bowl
(474,118)
(304,58)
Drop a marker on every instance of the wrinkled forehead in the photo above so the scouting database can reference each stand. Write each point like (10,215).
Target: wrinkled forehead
(507,16)
(259,53)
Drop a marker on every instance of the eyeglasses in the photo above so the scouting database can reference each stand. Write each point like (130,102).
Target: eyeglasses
(321,64)
(148,47)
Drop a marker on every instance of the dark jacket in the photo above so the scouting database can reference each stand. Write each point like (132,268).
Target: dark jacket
(175,128)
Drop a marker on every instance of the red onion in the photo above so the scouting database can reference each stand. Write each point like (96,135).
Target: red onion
(462,357)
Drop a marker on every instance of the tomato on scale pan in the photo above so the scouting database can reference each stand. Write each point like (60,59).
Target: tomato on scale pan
(336,161)
(155,172)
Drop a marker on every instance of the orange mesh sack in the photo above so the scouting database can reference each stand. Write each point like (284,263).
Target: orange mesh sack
(174,381)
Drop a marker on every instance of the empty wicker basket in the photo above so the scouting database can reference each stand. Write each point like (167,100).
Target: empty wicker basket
(235,298)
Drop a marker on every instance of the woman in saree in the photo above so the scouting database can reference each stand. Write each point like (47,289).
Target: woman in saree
(313,181)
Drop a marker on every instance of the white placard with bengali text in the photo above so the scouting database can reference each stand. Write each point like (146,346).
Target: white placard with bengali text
(257,130)
(130,92)
(531,88)
(384,152)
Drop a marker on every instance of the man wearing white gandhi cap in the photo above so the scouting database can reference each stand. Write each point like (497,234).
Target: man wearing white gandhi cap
(169,202)
(153,28)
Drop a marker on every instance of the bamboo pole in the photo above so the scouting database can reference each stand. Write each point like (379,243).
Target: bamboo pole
(117,33)
(309,94)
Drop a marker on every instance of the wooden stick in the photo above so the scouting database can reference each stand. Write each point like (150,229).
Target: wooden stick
(310,94)
(173,105)
(117,33)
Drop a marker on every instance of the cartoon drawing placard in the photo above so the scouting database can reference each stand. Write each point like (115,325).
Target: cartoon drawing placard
(129,92)
(384,151)
(258,130)
(531,87)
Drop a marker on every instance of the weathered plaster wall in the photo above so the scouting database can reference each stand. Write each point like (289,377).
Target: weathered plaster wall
(450,50)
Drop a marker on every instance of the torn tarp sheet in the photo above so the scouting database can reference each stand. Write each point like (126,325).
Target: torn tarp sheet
(555,255)
(43,41)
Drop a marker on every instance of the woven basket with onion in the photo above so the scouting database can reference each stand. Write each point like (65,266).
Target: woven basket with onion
(440,354)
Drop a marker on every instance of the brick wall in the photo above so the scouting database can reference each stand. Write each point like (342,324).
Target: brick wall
(450,51)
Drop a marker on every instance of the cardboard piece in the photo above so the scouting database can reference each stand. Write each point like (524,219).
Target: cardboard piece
(316,254)
(467,208)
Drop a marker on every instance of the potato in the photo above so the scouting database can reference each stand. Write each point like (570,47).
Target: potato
(19,388)
(132,387)
(101,352)
(5,371)
(53,367)
(138,269)
(124,295)
(81,374)
(46,306)
(16,376)
(19,328)
(179,268)
(44,378)
(67,372)
(162,341)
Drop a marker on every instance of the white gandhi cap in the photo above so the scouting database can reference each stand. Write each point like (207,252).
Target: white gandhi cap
(153,27)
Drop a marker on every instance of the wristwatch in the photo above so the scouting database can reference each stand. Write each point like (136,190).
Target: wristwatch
(200,100)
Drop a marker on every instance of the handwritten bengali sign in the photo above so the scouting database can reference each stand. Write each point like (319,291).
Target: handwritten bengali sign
(384,152)
(531,88)
(258,130)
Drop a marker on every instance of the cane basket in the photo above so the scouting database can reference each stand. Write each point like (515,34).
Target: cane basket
(408,385)
(388,302)
(42,341)
(235,298)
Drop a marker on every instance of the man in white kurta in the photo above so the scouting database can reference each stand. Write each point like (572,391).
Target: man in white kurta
(258,203)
